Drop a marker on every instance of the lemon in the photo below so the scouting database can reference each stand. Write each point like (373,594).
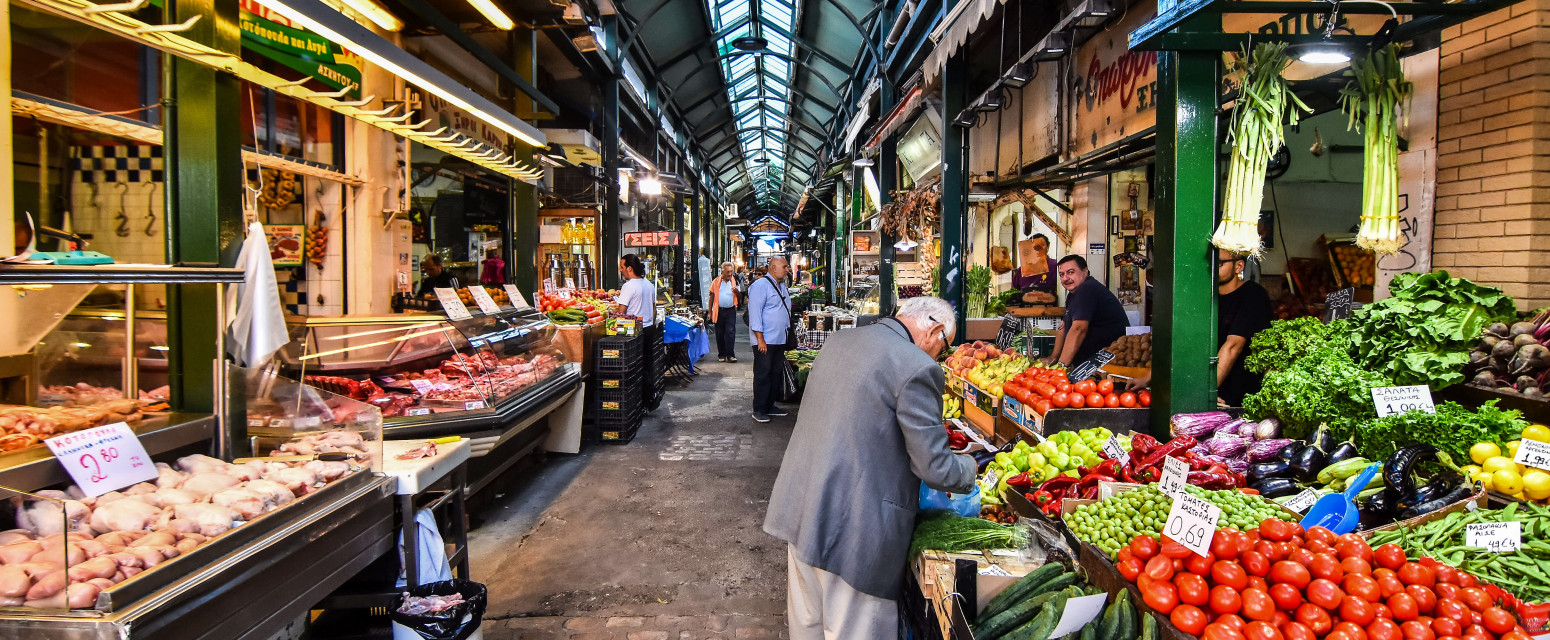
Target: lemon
(1483,451)
(1507,481)
(1512,448)
(1471,470)
(1536,485)
(1484,478)
(1498,463)
(1537,432)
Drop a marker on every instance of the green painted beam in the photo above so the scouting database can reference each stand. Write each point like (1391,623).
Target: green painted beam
(1184,326)
(204,193)
(955,190)
(887,181)
(609,231)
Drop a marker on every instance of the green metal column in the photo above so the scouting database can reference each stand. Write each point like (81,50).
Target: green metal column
(955,189)
(887,180)
(683,245)
(524,196)
(204,192)
(1184,378)
(608,227)
(694,252)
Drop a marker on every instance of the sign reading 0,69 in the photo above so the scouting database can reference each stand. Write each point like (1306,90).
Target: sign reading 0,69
(651,239)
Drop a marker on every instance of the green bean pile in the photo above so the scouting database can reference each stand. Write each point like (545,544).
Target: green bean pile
(1525,572)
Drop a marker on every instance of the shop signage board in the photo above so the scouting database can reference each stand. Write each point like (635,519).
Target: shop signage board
(445,114)
(639,239)
(1391,400)
(286,243)
(1116,88)
(273,36)
(452,304)
(103,459)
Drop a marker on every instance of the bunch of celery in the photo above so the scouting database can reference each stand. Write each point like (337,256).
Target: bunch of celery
(1372,100)
(1264,105)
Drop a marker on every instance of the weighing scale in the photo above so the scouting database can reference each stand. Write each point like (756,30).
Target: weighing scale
(75,256)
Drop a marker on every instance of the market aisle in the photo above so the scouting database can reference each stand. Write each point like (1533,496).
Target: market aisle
(655,539)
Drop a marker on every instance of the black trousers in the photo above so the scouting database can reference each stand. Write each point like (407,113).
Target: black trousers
(767,369)
(726,332)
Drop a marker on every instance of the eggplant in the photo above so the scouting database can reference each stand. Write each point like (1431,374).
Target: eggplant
(1436,488)
(1266,470)
(1307,464)
(1458,493)
(1323,439)
(1377,510)
(1290,451)
(1275,487)
(1344,451)
(1396,470)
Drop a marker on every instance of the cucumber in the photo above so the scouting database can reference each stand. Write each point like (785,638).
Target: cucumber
(1020,590)
(1041,625)
(1089,632)
(1108,624)
(1148,628)
(1017,614)
(1128,625)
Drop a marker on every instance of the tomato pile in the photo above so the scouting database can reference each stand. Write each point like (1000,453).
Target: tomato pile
(1045,389)
(1280,582)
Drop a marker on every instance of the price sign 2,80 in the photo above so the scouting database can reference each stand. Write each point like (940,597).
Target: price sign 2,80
(1192,523)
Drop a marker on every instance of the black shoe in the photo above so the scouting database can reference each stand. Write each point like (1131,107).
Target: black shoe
(778,413)
(759,417)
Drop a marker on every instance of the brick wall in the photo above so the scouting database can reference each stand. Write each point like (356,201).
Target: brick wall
(1493,152)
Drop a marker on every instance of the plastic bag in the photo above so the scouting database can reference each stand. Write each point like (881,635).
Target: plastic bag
(456,623)
(790,391)
(963,504)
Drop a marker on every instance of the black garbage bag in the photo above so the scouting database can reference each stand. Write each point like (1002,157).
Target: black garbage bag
(790,388)
(455,623)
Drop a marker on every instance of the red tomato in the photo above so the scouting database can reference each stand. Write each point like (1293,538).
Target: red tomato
(1362,587)
(1094,400)
(1225,600)
(1144,398)
(1320,535)
(1447,575)
(1317,546)
(1224,545)
(1218,631)
(1339,635)
(1353,547)
(1188,618)
(1326,566)
(1325,593)
(1445,591)
(1403,606)
(1192,589)
(1356,610)
(1130,568)
(1259,630)
(1077,401)
(1389,585)
(1453,610)
(1160,596)
(1383,629)
(1256,582)
(1475,598)
(1061,399)
(1290,573)
(1381,610)
(1254,563)
(1425,600)
(1127,399)
(1417,573)
(1041,405)
(1144,547)
(1111,401)
(1416,630)
(1350,629)
(1286,597)
(1389,556)
(1297,631)
(1497,620)
(1276,530)
(1085,387)
(1173,549)
(1062,385)
(1105,386)
(1257,605)
(1447,627)
(1124,554)
(1178,565)
(1301,555)
(1356,566)
(1232,620)
(1230,573)
(1315,618)
(1199,565)
(1466,580)
(1516,634)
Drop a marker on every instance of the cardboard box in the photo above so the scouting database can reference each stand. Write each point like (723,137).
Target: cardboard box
(576,341)
(980,398)
(982,422)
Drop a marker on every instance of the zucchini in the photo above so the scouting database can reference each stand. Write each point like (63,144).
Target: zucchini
(1089,632)
(1108,623)
(1020,590)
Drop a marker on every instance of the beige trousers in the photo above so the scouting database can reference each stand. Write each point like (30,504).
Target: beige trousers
(821,606)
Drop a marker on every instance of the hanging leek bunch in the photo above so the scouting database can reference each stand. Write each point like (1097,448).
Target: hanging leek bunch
(1373,100)
(1264,105)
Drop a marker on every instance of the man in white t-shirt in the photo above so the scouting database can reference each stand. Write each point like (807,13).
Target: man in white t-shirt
(637,295)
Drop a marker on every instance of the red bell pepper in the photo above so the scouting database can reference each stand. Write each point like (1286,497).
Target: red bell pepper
(1020,481)
(1041,498)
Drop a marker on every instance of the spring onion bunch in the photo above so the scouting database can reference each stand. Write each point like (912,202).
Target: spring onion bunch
(1265,104)
(1372,101)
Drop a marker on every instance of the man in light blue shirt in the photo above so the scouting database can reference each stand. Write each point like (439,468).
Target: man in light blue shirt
(769,316)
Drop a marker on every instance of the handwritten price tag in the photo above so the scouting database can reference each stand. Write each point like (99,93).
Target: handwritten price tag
(1533,453)
(473,404)
(516,297)
(1391,400)
(418,412)
(1496,537)
(1302,501)
(1175,474)
(1192,522)
(103,459)
(1079,612)
(421,386)
(483,299)
(1113,449)
(452,304)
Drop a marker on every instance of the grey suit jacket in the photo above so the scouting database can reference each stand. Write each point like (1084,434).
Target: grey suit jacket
(869,432)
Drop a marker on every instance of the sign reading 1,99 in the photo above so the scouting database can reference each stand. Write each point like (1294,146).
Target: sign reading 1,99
(651,239)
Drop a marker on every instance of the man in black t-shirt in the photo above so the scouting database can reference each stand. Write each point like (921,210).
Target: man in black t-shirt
(1094,317)
(1243,309)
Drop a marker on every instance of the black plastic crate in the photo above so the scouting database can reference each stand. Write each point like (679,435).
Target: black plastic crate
(618,381)
(616,402)
(616,355)
(619,433)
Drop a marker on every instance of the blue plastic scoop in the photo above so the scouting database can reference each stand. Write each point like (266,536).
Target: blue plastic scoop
(1337,511)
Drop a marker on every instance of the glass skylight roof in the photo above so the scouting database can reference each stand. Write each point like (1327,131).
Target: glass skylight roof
(759,85)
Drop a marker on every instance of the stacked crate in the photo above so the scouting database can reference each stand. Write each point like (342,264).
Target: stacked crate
(616,391)
(656,368)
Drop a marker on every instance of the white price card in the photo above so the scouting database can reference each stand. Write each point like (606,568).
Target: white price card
(1301,502)
(1192,523)
(570,283)
(452,304)
(418,411)
(995,570)
(1114,450)
(1496,537)
(1174,475)
(516,297)
(1533,453)
(422,386)
(483,299)
(103,459)
(1391,400)
(1079,612)
(470,405)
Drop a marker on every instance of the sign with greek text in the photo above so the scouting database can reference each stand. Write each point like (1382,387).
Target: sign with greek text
(452,304)
(1533,453)
(1192,523)
(1174,475)
(516,297)
(1114,450)
(1392,400)
(103,459)
(1087,369)
(1302,501)
(1496,537)
(483,299)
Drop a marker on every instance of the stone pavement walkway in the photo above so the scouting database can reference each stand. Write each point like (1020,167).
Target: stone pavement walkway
(711,627)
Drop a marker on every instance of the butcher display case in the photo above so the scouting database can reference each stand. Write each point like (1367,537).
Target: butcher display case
(430,375)
(86,358)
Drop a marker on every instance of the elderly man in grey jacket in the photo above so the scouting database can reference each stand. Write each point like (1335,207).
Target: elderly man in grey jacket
(845,499)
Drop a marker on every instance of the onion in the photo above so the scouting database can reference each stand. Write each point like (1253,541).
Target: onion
(1267,429)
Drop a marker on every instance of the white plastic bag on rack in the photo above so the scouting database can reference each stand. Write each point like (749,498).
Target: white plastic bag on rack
(430,558)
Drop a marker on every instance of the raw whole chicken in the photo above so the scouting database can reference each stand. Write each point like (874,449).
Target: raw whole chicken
(246,503)
(206,482)
(328,471)
(164,498)
(47,517)
(297,479)
(213,519)
(199,463)
(122,515)
(168,477)
(275,494)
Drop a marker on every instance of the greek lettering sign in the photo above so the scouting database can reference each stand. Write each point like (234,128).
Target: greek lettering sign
(274,37)
(1115,87)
